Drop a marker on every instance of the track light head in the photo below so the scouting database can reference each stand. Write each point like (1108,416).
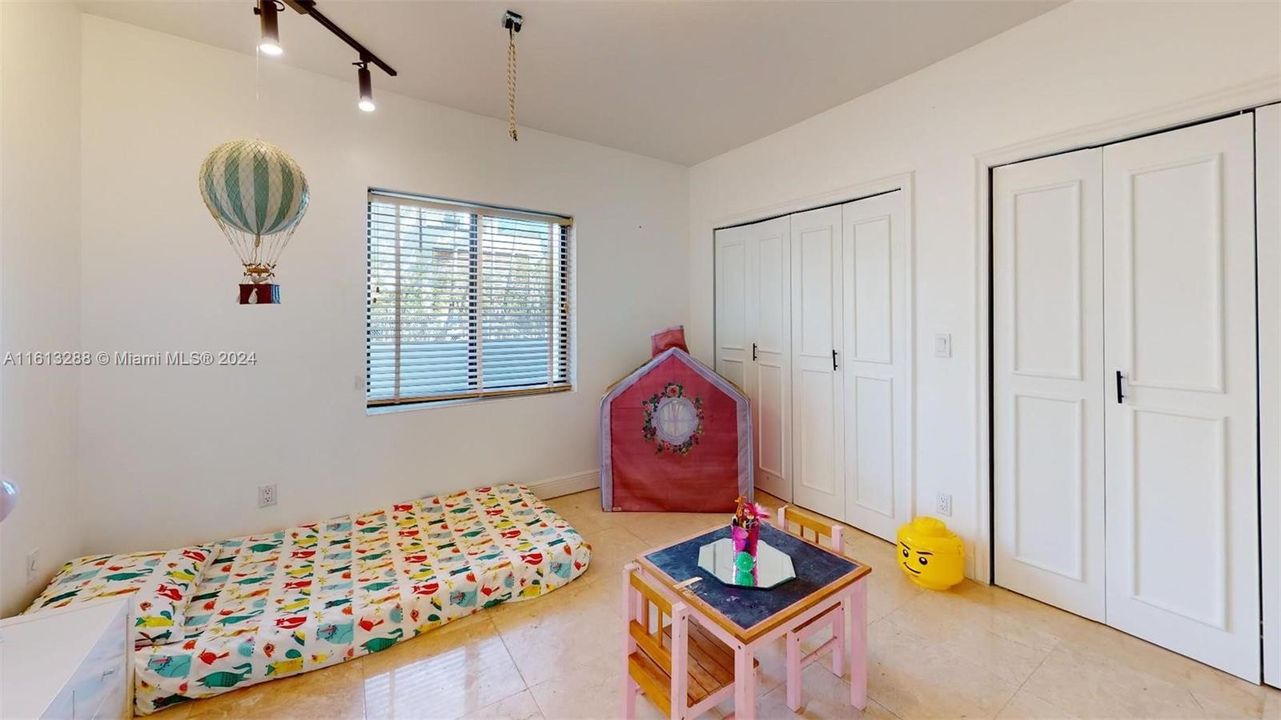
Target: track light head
(366,86)
(269,43)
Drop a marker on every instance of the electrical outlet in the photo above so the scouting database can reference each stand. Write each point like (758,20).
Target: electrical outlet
(266,495)
(943,504)
(33,564)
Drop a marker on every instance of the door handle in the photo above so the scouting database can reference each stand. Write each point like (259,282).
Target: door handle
(753,352)
(1120,391)
(834,365)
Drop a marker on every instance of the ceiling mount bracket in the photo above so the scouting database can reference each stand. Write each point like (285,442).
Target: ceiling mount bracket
(278,4)
(512,21)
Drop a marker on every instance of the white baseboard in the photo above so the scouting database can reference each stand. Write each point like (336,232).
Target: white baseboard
(567,485)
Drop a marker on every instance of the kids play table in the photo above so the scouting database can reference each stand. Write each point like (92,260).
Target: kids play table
(746,619)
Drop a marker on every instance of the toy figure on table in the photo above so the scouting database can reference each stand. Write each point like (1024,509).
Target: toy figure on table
(745,530)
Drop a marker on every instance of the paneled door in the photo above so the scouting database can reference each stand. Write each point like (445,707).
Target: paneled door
(1181,416)
(771,367)
(733,311)
(1047,269)
(753,338)
(817,413)
(875,363)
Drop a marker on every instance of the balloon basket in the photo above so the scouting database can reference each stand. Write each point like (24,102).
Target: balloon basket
(259,294)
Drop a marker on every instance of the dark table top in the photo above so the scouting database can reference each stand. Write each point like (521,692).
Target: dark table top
(749,611)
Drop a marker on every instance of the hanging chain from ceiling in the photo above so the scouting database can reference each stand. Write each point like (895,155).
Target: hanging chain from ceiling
(512,21)
(511,83)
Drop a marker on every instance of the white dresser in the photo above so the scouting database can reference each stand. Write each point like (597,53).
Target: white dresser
(70,664)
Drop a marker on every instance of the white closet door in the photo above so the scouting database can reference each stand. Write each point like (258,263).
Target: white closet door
(874,359)
(1267,148)
(753,338)
(1181,462)
(771,370)
(733,306)
(817,412)
(1047,268)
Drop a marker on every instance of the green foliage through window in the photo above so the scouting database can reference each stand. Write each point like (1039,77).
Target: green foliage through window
(465,301)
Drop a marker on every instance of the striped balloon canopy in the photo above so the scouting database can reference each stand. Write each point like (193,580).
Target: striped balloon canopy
(254,187)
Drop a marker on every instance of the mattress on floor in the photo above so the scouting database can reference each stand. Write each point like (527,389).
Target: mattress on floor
(315,595)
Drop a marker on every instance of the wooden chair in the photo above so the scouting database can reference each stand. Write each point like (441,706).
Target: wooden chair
(682,668)
(834,618)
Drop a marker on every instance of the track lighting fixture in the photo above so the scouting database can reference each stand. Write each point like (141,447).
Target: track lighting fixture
(366,86)
(269,43)
(266,10)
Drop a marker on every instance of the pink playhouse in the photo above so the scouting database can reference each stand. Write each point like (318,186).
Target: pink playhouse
(675,436)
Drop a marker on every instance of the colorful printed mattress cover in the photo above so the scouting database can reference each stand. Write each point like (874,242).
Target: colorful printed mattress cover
(315,595)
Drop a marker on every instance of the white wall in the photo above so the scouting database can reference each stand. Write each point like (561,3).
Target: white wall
(172,455)
(1078,66)
(39,279)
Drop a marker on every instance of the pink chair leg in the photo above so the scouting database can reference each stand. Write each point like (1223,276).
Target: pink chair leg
(857,630)
(680,660)
(630,689)
(793,671)
(838,618)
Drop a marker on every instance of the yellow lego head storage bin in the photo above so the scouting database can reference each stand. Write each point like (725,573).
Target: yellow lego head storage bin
(930,554)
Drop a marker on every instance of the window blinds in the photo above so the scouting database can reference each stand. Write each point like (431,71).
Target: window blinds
(465,301)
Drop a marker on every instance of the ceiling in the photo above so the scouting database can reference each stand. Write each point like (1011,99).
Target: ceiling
(680,81)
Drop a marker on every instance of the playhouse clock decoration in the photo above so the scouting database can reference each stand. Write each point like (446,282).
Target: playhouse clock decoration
(673,422)
(257,194)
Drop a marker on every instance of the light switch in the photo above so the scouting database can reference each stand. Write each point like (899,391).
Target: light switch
(943,345)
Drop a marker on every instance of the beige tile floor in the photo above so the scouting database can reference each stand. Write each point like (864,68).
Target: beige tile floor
(974,652)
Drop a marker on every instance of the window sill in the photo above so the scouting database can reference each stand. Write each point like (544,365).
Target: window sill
(432,404)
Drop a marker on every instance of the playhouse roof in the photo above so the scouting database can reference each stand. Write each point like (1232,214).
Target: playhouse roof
(708,374)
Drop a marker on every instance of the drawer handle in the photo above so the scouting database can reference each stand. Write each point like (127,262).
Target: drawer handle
(109,672)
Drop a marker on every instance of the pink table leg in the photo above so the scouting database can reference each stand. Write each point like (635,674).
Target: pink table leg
(744,684)
(793,642)
(856,628)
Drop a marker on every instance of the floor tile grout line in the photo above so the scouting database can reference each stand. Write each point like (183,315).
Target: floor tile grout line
(505,698)
(364,697)
(1019,689)
(882,706)
(1197,701)
(503,640)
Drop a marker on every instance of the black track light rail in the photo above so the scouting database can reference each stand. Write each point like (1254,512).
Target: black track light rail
(308,7)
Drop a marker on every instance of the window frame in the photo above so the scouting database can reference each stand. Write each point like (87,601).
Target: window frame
(562,281)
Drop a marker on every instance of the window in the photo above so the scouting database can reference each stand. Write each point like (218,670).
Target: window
(465,301)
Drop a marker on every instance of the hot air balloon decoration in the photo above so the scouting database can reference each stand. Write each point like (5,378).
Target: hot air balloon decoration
(257,194)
